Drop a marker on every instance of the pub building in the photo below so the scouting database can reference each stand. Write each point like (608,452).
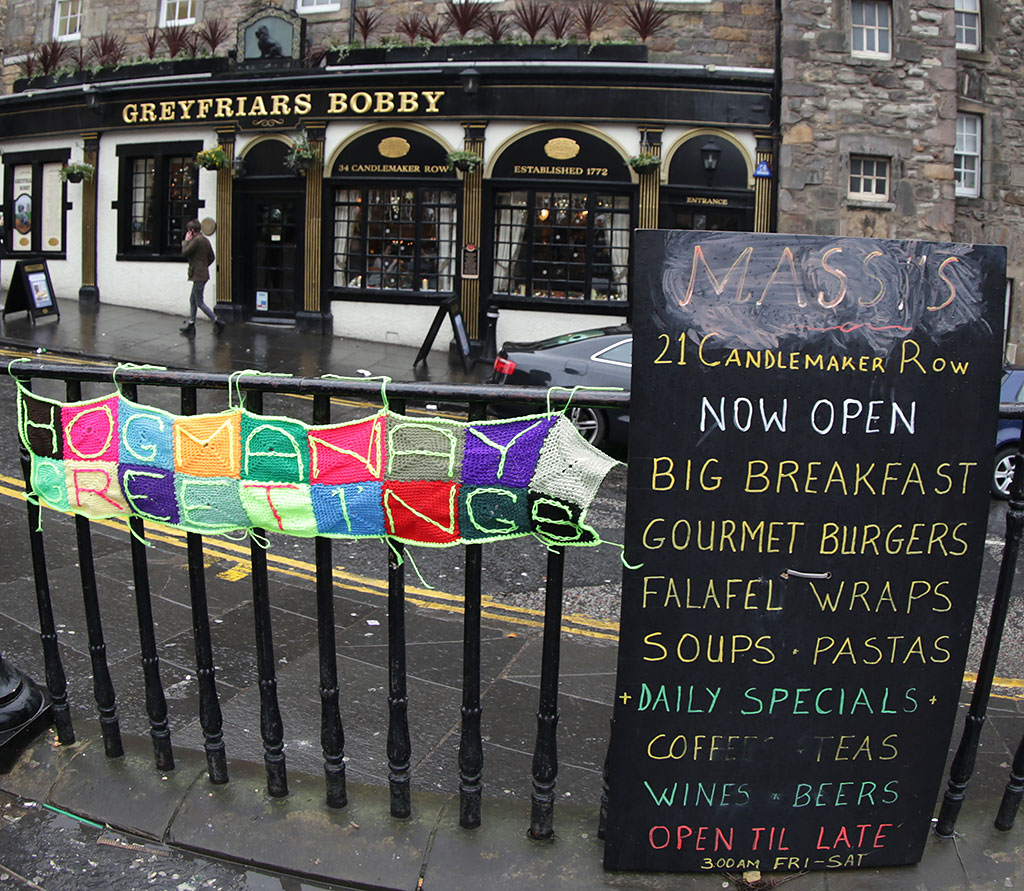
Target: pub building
(336,207)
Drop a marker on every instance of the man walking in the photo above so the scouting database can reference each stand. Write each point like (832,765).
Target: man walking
(199,253)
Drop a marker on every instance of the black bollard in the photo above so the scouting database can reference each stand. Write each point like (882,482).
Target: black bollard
(21,701)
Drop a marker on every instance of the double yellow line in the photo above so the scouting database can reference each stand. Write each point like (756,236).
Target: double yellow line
(237,554)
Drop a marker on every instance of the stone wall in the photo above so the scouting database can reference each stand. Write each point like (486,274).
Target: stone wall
(835,105)
(990,83)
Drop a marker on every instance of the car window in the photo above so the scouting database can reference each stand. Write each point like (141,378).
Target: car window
(618,354)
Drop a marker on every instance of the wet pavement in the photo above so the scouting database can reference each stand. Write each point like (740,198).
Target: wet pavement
(123,825)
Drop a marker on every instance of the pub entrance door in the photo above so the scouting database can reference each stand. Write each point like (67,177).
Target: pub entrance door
(271,252)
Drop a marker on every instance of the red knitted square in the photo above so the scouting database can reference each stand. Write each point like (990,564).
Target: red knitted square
(422,511)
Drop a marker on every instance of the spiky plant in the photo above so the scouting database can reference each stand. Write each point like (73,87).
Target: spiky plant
(108,50)
(645,17)
(531,16)
(214,33)
(29,66)
(175,38)
(79,57)
(591,16)
(153,39)
(366,22)
(51,56)
(434,29)
(561,21)
(496,25)
(410,25)
(465,15)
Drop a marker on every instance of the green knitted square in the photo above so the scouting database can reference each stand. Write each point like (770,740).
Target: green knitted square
(279,507)
(274,449)
(422,449)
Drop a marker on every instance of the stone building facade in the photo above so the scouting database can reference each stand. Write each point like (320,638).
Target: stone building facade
(917,136)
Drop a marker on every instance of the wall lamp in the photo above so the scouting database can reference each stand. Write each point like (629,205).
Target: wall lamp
(709,154)
(470,78)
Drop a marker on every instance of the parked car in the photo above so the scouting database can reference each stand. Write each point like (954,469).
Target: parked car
(1007,433)
(601,357)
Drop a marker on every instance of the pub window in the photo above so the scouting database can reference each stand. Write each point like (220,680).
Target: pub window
(317,5)
(561,245)
(158,194)
(67,20)
(967,155)
(395,239)
(872,29)
(968,24)
(34,209)
(869,178)
(178,12)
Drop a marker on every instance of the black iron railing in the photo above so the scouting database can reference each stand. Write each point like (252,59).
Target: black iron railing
(475,401)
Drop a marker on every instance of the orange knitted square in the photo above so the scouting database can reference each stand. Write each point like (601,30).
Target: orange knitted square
(208,445)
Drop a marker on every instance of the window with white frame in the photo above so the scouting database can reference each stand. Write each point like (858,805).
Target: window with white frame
(869,178)
(178,12)
(317,5)
(967,155)
(67,20)
(968,24)
(871,29)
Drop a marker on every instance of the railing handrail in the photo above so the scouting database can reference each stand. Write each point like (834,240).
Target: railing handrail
(266,382)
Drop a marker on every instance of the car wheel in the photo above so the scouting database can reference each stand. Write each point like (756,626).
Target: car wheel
(1002,474)
(590,422)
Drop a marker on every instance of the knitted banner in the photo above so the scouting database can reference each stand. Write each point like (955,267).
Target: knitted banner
(424,481)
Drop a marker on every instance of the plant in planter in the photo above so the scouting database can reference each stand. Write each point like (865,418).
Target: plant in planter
(465,161)
(366,22)
(591,16)
(465,15)
(76,171)
(645,17)
(213,159)
(531,16)
(176,39)
(302,155)
(153,39)
(643,162)
(107,49)
(496,25)
(411,25)
(214,33)
(560,21)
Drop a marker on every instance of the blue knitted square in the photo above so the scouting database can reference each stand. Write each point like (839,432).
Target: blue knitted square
(349,509)
(147,435)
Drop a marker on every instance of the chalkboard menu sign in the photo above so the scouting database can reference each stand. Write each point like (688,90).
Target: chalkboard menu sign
(812,435)
(31,290)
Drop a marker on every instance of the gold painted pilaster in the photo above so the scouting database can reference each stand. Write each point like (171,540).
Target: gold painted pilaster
(472,213)
(763,185)
(225,217)
(315,132)
(650,180)
(89,291)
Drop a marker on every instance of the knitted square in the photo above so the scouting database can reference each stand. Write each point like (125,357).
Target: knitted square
(94,490)
(423,512)
(208,445)
(274,449)
(39,424)
(50,482)
(209,505)
(352,510)
(424,448)
(90,430)
(150,492)
(570,469)
(347,453)
(493,512)
(504,452)
(279,507)
(146,435)
(558,523)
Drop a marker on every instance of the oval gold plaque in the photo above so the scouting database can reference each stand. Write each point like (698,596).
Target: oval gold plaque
(561,148)
(393,147)
(54,242)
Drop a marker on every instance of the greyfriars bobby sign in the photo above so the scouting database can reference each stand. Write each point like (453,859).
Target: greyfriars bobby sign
(272,37)
(812,427)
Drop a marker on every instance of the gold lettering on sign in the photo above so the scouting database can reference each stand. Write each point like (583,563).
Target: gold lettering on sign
(561,148)
(393,147)
(699,199)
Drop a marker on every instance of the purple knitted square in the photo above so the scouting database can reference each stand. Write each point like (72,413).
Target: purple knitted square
(150,492)
(504,453)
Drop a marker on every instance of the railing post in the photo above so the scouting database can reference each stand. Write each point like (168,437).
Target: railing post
(56,681)
(545,752)
(102,685)
(963,762)
(271,725)
(210,718)
(156,702)
(332,734)
(399,747)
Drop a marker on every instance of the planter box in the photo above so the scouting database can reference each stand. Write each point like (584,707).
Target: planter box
(48,81)
(492,52)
